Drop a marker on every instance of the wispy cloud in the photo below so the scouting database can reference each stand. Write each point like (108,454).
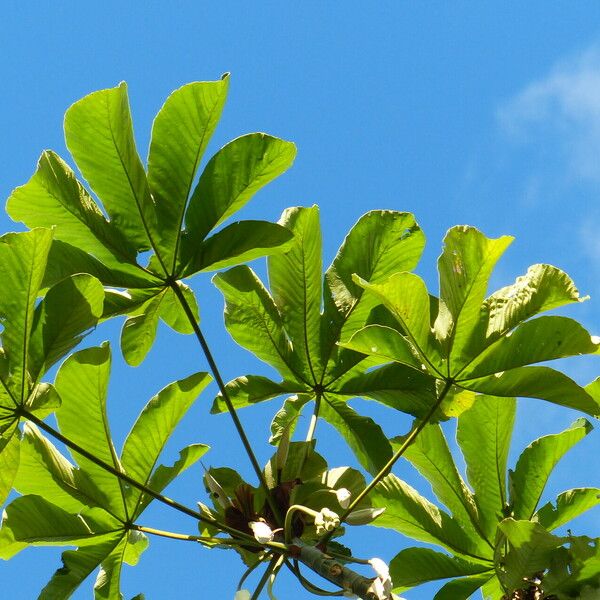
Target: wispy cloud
(562,110)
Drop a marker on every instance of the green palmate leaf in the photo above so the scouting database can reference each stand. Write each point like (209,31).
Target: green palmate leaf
(286,417)
(43,400)
(147,212)
(463,588)
(406,296)
(542,288)
(414,566)
(568,505)
(381,243)
(180,133)
(397,386)
(365,438)
(302,462)
(575,573)
(414,516)
(484,433)
(465,267)
(9,464)
(172,313)
(77,566)
(530,551)
(240,242)
(250,389)
(44,471)
(53,196)
(153,428)
(99,135)
(430,455)
(232,176)
(34,520)
(22,263)
(139,332)
(82,384)
(299,297)
(71,307)
(385,343)
(535,465)
(545,338)
(129,549)
(163,475)
(254,321)
(537,382)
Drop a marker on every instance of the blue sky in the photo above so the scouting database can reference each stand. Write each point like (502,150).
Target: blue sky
(483,114)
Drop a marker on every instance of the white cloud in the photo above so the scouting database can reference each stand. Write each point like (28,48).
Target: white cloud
(562,110)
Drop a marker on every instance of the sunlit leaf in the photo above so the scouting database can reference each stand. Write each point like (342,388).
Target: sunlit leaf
(139,332)
(99,135)
(397,386)
(430,455)
(531,550)
(250,389)
(180,133)
(163,475)
(298,296)
(362,434)
(381,243)
(82,384)
(537,462)
(254,321)
(484,433)
(465,267)
(34,520)
(231,177)
(414,516)
(54,197)
(286,418)
(568,505)
(463,588)
(239,243)
(43,400)
(414,566)
(68,311)
(77,565)
(406,297)
(153,428)
(22,263)
(44,471)
(385,343)
(537,382)
(173,314)
(538,340)
(9,464)
(542,288)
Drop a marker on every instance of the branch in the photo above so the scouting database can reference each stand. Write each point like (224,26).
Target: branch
(335,572)
(230,408)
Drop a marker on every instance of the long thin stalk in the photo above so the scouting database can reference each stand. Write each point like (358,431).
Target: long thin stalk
(199,538)
(314,418)
(390,463)
(265,577)
(230,408)
(133,482)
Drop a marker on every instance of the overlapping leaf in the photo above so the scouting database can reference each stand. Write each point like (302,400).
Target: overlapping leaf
(84,505)
(295,326)
(146,210)
(476,531)
(36,335)
(482,344)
